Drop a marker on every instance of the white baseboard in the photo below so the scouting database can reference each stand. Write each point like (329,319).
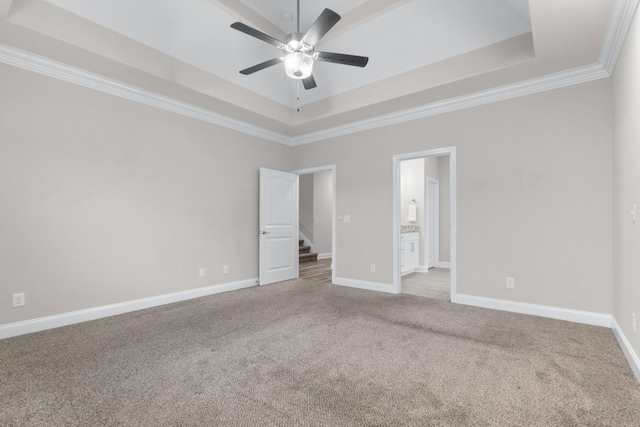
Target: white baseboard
(362,284)
(325,256)
(631,355)
(577,316)
(65,319)
(425,269)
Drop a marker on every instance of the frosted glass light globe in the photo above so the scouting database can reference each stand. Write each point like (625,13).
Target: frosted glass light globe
(297,65)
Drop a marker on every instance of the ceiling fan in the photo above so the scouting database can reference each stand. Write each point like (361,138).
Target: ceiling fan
(299,49)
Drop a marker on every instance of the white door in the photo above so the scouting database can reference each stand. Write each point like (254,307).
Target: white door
(278,226)
(432,220)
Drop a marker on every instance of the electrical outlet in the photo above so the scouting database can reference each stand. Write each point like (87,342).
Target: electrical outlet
(18,300)
(372,268)
(202,272)
(511,283)
(633,322)
(225,269)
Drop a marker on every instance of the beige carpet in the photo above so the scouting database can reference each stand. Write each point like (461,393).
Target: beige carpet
(307,354)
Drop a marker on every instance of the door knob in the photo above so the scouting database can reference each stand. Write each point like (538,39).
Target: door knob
(263,232)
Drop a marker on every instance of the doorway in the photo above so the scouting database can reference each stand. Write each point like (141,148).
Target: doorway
(432,225)
(317,230)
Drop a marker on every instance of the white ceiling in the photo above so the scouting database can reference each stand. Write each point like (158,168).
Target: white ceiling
(411,35)
(422,52)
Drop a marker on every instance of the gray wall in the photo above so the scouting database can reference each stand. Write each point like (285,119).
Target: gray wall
(106,200)
(305,202)
(322,211)
(445,209)
(534,181)
(626,169)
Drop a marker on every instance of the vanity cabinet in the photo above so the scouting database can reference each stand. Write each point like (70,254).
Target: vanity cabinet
(409,252)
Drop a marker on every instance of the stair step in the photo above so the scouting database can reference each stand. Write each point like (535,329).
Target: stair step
(308,257)
(300,242)
(304,249)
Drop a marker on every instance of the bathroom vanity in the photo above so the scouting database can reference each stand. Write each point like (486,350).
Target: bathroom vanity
(409,252)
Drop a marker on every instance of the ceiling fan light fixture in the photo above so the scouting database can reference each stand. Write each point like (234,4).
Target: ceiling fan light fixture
(298,65)
(299,49)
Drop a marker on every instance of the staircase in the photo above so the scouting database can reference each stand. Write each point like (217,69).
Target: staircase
(305,254)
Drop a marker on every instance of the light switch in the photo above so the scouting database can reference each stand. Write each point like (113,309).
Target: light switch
(347,218)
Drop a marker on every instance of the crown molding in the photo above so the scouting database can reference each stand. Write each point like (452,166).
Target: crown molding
(502,93)
(39,64)
(620,19)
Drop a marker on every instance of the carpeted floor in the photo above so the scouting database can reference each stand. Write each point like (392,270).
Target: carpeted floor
(307,354)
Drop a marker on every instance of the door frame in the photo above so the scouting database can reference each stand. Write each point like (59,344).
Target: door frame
(332,168)
(439,152)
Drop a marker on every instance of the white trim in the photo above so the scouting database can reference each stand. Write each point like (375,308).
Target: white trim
(440,264)
(48,67)
(64,319)
(366,285)
(325,256)
(334,196)
(558,80)
(448,151)
(620,19)
(42,65)
(627,349)
(577,316)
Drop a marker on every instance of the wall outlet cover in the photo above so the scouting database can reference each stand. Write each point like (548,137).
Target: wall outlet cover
(18,300)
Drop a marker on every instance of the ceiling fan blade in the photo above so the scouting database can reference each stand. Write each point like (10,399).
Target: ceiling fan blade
(309,82)
(258,34)
(261,66)
(327,19)
(340,58)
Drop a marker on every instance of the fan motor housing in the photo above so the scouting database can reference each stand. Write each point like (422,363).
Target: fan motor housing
(293,40)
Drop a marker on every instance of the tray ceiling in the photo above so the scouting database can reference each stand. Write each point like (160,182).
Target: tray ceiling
(421,51)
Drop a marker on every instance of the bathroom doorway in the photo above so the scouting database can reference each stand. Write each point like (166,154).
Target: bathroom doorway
(424,223)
